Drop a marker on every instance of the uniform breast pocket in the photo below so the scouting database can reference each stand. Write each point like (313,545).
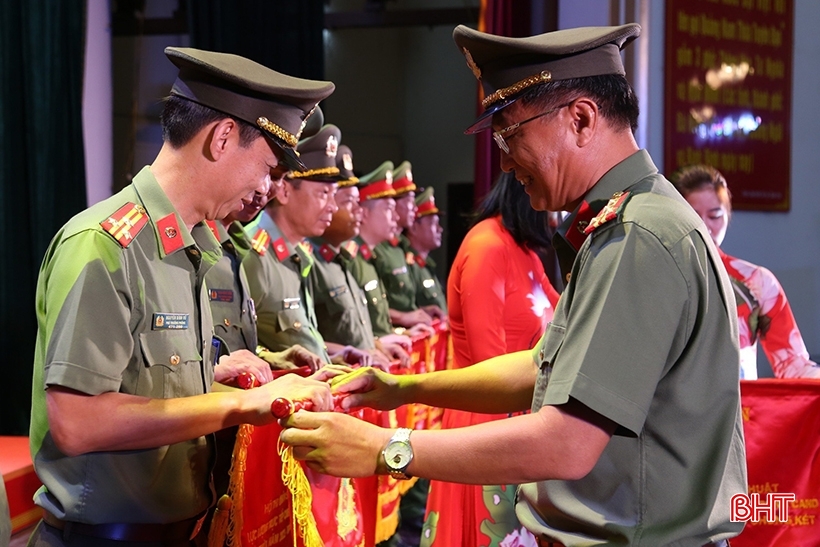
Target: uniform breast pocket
(339,299)
(291,319)
(547,353)
(429,288)
(172,364)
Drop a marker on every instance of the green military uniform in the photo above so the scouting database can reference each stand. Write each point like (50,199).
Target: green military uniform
(429,290)
(649,273)
(278,279)
(232,307)
(118,312)
(645,333)
(391,258)
(341,304)
(364,271)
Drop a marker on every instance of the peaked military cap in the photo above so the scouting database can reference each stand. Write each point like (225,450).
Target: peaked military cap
(276,103)
(313,124)
(344,161)
(318,153)
(403,179)
(426,203)
(506,67)
(378,183)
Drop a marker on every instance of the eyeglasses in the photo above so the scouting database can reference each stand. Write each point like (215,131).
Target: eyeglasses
(498,136)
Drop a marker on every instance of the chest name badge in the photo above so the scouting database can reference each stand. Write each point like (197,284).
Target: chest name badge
(290,304)
(171,321)
(333,293)
(371,285)
(428,283)
(220,295)
(399,271)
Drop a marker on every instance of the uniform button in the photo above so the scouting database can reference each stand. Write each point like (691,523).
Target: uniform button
(401,284)
(541,355)
(569,276)
(194,252)
(227,322)
(297,324)
(375,300)
(362,320)
(174,360)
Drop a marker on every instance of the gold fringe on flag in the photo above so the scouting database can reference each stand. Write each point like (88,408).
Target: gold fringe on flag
(293,476)
(236,487)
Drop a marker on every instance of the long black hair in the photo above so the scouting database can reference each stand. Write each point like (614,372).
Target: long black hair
(528,227)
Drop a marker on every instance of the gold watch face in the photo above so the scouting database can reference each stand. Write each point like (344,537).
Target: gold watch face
(397,455)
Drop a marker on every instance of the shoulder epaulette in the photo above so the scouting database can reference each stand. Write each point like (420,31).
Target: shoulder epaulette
(126,223)
(609,212)
(260,241)
(351,247)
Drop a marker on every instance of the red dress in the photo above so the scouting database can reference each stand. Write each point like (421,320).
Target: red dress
(499,301)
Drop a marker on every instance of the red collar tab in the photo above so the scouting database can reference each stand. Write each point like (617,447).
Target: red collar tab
(394,241)
(609,212)
(327,253)
(367,254)
(420,261)
(126,223)
(169,234)
(214,230)
(575,235)
(260,241)
(281,249)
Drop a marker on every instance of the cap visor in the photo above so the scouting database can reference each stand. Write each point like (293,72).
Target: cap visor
(291,159)
(486,119)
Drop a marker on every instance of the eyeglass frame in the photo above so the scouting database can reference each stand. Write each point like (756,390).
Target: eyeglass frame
(498,136)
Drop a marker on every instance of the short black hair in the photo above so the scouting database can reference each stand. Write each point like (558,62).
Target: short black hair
(181,119)
(611,92)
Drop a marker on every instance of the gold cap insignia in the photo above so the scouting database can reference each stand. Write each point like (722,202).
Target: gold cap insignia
(471,63)
(388,176)
(409,175)
(347,161)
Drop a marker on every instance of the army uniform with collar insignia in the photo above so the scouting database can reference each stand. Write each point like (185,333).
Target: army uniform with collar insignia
(232,307)
(123,310)
(645,333)
(429,291)
(392,258)
(130,321)
(341,304)
(364,271)
(278,279)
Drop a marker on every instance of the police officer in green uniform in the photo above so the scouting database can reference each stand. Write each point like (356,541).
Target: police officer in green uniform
(278,270)
(390,257)
(423,237)
(378,225)
(122,413)
(635,434)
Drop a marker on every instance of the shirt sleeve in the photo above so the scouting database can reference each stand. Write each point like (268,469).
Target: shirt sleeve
(628,304)
(86,309)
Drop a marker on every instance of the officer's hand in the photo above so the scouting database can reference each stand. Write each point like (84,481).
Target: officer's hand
(353,356)
(397,353)
(404,341)
(380,360)
(232,365)
(334,443)
(421,331)
(328,372)
(289,386)
(300,357)
(435,312)
(416,317)
(369,387)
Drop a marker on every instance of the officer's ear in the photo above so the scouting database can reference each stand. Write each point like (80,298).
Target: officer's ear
(220,137)
(585,119)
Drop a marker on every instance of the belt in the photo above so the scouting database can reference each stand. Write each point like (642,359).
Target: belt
(129,531)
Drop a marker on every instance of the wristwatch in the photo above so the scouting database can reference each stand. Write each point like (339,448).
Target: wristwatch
(398,454)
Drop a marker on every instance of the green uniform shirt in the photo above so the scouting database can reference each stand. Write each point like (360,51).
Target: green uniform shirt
(231,304)
(130,317)
(368,279)
(391,262)
(341,306)
(429,291)
(644,334)
(280,287)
